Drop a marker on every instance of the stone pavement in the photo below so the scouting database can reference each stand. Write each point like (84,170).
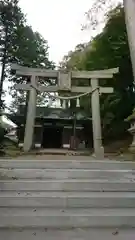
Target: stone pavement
(69,156)
(53,157)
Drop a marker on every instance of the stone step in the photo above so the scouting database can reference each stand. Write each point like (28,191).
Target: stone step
(30,211)
(65,174)
(66,164)
(68,200)
(80,218)
(73,234)
(76,185)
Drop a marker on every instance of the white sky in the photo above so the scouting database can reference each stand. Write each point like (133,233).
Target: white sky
(59,21)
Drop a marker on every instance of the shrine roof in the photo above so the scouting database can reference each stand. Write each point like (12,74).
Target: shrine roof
(57,113)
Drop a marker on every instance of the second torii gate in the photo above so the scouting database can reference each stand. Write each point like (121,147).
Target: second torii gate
(64,80)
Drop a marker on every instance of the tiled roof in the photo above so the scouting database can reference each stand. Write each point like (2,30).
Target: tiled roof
(57,113)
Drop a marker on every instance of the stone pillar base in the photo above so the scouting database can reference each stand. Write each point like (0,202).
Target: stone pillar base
(99,154)
(132,148)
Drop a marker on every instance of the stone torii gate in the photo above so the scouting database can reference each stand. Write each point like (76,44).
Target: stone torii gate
(64,84)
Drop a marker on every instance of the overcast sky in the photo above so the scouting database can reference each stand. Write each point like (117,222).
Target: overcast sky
(59,21)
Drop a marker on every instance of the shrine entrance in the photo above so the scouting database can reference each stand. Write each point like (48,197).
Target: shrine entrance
(66,92)
(52,137)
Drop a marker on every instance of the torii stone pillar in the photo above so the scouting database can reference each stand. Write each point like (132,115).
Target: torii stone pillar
(30,119)
(96,120)
(129,6)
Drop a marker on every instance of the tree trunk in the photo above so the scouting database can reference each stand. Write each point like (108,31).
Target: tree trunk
(3,68)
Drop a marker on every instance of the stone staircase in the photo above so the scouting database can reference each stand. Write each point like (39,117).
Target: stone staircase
(63,200)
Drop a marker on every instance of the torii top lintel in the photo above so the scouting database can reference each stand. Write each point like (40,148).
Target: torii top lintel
(26,71)
(64,78)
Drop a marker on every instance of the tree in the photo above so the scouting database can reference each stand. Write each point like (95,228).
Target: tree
(96,15)
(10,18)
(31,51)
(74,59)
(21,45)
(110,49)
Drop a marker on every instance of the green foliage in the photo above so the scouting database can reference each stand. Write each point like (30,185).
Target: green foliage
(20,44)
(10,18)
(110,49)
(32,51)
(74,60)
